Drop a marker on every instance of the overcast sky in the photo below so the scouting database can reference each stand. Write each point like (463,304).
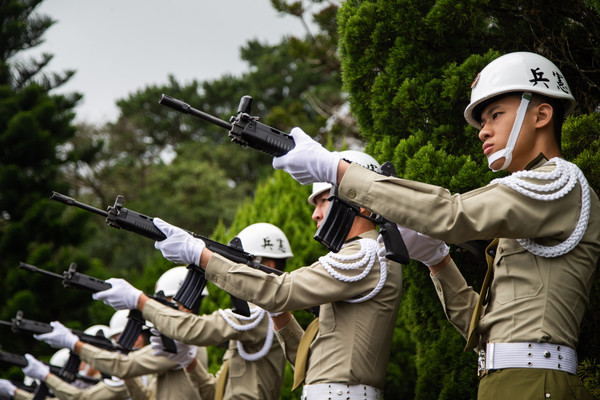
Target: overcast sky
(119,46)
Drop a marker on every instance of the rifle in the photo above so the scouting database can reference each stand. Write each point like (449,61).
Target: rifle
(245,130)
(22,325)
(66,373)
(135,321)
(120,217)
(41,391)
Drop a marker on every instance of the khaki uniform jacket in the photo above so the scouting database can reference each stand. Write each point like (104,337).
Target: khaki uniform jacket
(260,379)
(532,298)
(171,381)
(354,339)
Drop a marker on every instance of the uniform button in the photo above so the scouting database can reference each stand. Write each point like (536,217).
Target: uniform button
(548,395)
(546,354)
(339,392)
(351,193)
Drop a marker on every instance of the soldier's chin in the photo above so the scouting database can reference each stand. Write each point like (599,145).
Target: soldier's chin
(497,165)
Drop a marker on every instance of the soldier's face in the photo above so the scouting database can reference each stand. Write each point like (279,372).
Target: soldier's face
(322,205)
(497,120)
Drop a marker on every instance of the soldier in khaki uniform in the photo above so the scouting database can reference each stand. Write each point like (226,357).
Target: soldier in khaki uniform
(254,363)
(171,381)
(545,216)
(358,298)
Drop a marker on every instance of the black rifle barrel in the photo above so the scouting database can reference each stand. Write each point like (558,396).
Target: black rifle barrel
(72,202)
(33,268)
(185,108)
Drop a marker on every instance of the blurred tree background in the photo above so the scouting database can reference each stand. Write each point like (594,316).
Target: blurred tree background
(403,68)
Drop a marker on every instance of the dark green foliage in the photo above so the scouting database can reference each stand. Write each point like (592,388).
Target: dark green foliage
(34,125)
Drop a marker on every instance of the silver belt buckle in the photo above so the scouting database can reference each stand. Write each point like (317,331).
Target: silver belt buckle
(481,371)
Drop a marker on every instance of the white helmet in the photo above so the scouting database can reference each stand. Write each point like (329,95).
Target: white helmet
(265,240)
(94,329)
(171,281)
(60,358)
(519,72)
(356,156)
(117,323)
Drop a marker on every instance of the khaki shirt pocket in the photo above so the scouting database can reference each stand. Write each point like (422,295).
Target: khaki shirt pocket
(516,273)
(326,319)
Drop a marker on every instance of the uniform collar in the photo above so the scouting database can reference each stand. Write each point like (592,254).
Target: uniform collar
(537,162)
(372,234)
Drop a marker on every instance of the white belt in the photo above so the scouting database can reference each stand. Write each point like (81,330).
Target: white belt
(340,391)
(528,355)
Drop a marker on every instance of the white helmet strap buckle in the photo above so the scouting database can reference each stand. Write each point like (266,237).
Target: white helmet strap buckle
(514,135)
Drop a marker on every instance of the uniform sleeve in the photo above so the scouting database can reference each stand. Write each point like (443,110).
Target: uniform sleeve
(458,299)
(201,330)
(21,394)
(135,363)
(289,337)
(294,290)
(99,391)
(62,389)
(136,389)
(203,382)
(492,211)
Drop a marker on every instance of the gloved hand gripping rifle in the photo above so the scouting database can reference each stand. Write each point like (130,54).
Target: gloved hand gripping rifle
(245,130)
(68,373)
(135,321)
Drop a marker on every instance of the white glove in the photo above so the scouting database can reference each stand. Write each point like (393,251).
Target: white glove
(186,353)
(121,296)
(420,247)
(308,161)
(60,337)
(35,369)
(179,246)
(7,389)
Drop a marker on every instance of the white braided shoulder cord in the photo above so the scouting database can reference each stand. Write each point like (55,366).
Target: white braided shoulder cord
(365,256)
(256,316)
(563,177)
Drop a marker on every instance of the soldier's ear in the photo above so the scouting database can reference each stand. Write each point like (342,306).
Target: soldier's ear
(544,114)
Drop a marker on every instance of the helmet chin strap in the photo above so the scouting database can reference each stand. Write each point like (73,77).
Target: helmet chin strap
(514,135)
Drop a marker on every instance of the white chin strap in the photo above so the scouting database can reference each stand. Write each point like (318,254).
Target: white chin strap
(514,135)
